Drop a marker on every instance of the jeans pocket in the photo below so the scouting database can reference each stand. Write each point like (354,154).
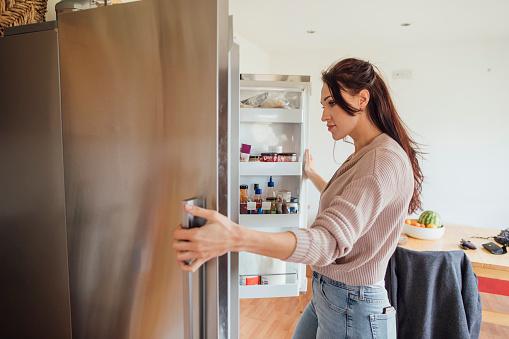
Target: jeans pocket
(383,326)
(329,295)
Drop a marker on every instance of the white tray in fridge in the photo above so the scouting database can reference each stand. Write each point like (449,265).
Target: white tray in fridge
(270,220)
(259,168)
(271,115)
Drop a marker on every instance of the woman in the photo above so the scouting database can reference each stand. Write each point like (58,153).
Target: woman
(360,216)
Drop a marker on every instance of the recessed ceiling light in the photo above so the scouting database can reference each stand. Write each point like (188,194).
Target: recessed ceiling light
(405,24)
(310,31)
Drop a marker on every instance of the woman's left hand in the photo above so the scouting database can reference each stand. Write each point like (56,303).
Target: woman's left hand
(200,244)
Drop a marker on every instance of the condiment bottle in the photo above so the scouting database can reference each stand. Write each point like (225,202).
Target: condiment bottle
(293,206)
(266,206)
(271,192)
(251,207)
(258,199)
(285,208)
(279,205)
(244,198)
(273,207)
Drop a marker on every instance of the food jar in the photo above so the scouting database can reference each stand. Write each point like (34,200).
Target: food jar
(266,206)
(244,195)
(287,157)
(285,195)
(273,207)
(268,157)
(293,208)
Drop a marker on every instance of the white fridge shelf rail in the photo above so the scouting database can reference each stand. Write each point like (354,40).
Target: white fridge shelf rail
(269,291)
(271,115)
(274,85)
(259,168)
(270,220)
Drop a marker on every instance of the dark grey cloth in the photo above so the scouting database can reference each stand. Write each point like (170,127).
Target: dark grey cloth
(435,294)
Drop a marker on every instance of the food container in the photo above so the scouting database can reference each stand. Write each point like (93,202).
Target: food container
(273,207)
(251,207)
(268,157)
(266,206)
(285,195)
(244,197)
(254,158)
(285,208)
(279,207)
(293,208)
(287,157)
(246,280)
(245,150)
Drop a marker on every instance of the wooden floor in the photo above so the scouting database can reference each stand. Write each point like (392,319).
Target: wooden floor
(276,318)
(271,318)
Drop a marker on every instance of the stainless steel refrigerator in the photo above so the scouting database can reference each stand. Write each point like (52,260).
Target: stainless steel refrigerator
(110,117)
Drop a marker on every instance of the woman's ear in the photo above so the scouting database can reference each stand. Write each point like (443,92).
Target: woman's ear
(363,99)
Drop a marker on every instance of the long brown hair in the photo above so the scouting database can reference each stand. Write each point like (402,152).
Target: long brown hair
(353,75)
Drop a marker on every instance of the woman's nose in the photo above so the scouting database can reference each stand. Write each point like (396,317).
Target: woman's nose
(325,116)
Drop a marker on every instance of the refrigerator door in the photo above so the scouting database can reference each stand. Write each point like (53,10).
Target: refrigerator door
(144,88)
(234,152)
(34,289)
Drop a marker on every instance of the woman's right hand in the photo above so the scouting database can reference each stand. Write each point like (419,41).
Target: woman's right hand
(309,164)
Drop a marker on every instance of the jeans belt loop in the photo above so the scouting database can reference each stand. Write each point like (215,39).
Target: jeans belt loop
(361,293)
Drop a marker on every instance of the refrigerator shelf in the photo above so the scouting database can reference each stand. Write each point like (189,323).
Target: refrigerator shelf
(259,168)
(269,291)
(274,85)
(270,220)
(271,115)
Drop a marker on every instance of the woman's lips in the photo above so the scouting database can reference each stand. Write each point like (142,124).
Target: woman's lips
(330,127)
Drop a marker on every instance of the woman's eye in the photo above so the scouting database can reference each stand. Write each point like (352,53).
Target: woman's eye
(331,103)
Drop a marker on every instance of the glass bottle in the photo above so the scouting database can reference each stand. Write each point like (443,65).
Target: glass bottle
(271,192)
(244,198)
(273,206)
(258,199)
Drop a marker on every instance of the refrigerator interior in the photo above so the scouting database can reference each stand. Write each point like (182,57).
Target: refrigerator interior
(273,118)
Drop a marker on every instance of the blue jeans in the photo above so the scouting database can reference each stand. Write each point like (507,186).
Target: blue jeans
(339,311)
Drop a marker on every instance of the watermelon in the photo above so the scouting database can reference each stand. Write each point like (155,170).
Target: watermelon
(429,217)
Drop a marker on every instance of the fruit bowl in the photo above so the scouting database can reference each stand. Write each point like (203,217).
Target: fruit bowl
(424,233)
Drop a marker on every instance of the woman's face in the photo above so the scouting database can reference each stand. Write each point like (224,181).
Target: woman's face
(339,123)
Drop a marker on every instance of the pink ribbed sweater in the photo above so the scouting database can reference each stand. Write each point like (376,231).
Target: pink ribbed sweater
(360,217)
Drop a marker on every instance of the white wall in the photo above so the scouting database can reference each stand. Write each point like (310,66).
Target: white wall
(455,106)
(253,58)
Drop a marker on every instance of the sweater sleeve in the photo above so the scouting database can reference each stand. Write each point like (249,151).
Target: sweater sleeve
(337,228)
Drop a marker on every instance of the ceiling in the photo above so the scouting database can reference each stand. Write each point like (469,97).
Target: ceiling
(282,24)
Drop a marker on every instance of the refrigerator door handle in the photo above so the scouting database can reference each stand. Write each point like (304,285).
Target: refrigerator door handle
(190,221)
(194,283)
